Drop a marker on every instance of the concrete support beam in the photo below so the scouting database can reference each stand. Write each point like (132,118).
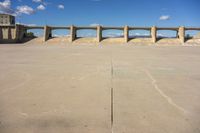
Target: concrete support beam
(99,33)
(72,33)
(126,33)
(154,34)
(47,33)
(113,28)
(181,34)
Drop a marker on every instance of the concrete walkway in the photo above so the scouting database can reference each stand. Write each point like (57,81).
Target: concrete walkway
(99,89)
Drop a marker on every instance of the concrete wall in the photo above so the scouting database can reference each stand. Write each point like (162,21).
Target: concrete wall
(16,33)
(7,34)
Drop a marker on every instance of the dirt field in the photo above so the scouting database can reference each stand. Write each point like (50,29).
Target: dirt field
(99,89)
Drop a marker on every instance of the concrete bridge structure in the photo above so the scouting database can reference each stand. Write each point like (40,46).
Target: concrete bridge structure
(16,33)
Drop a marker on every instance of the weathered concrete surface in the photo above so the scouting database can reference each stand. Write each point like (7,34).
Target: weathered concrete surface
(67,88)
(133,41)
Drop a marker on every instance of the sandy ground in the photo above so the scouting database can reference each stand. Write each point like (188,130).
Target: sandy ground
(99,89)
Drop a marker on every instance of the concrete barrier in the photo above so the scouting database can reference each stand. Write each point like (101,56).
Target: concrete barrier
(16,33)
(126,33)
(181,34)
(47,33)
(154,34)
(99,33)
(72,33)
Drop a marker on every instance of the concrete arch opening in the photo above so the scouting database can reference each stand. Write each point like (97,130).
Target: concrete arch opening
(139,34)
(86,33)
(168,36)
(34,33)
(161,34)
(56,33)
(30,34)
(192,34)
(112,33)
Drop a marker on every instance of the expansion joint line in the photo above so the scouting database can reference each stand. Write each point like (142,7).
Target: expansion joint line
(112,97)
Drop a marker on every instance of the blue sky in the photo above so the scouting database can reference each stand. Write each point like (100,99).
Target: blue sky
(105,12)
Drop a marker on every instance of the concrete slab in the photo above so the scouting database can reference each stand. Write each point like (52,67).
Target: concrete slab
(67,88)
(57,90)
(154,91)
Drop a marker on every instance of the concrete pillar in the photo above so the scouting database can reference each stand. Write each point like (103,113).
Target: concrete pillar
(72,33)
(1,34)
(126,33)
(47,33)
(19,32)
(181,34)
(9,33)
(99,33)
(154,34)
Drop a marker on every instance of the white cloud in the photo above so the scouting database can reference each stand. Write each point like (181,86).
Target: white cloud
(139,34)
(164,17)
(37,1)
(114,34)
(6,3)
(41,7)
(25,10)
(95,24)
(5,7)
(61,6)
(43,2)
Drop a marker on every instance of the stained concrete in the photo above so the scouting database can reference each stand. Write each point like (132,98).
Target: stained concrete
(67,88)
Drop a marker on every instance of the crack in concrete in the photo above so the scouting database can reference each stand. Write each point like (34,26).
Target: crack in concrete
(167,98)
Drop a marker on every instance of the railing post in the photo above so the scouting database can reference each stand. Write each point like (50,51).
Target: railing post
(99,33)
(72,33)
(154,34)
(181,34)
(126,33)
(47,33)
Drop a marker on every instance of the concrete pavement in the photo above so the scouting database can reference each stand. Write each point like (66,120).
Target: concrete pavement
(67,88)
